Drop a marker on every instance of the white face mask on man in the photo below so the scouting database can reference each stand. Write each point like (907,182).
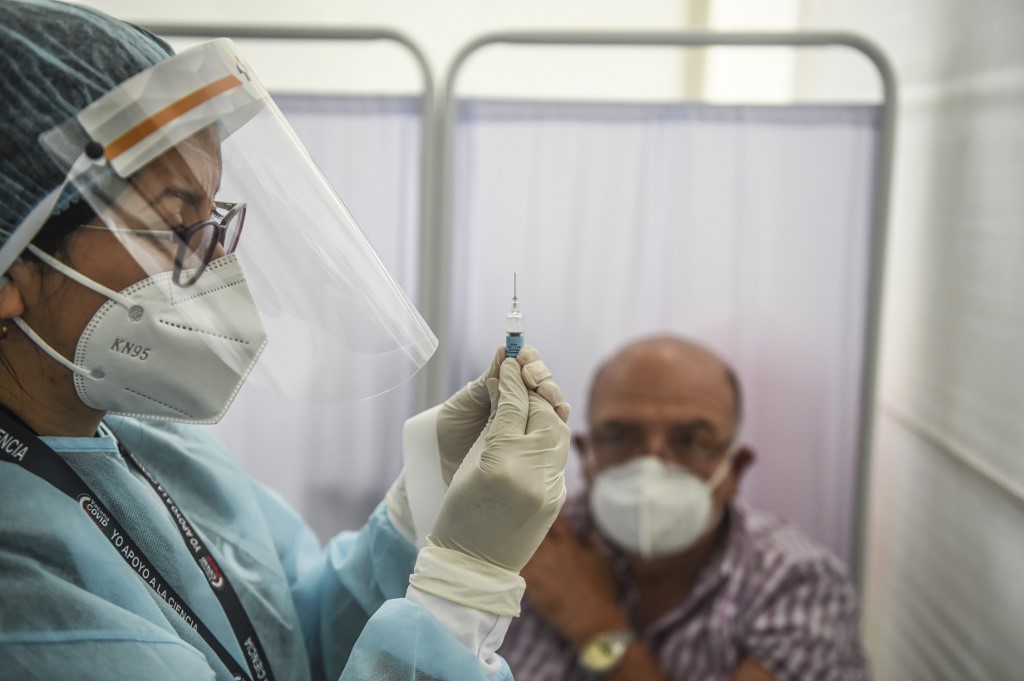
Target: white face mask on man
(653,508)
(143,353)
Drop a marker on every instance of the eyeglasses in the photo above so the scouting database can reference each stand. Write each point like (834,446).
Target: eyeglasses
(694,448)
(200,240)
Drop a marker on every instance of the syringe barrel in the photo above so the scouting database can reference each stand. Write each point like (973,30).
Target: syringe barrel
(513,334)
(513,344)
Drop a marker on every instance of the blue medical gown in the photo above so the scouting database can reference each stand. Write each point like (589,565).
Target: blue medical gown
(71,607)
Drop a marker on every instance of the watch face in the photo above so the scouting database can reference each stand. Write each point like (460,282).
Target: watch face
(605,651)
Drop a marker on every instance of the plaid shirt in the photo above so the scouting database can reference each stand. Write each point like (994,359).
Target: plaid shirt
(770,594)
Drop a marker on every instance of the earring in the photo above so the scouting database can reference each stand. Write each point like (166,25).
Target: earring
(4,330)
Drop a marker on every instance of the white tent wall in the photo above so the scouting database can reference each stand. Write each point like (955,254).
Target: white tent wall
(944,594)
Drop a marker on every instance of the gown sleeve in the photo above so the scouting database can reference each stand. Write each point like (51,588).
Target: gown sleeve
(350,599)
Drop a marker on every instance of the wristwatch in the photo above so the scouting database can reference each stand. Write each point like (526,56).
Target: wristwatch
(604,652)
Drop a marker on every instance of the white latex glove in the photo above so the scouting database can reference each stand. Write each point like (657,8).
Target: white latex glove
(463,417)
(506,494)
(537,376)
(436,442)
(453,428)
(501,502)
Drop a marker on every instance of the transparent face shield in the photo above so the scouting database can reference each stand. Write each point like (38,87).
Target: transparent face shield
(190,161)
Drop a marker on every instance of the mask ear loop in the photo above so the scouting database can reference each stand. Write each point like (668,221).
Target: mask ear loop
(730,454)
(21,238)
(45,347)
(85,281)
(88,283)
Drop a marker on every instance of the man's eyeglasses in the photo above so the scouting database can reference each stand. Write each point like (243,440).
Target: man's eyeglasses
(198,241)
(693,448)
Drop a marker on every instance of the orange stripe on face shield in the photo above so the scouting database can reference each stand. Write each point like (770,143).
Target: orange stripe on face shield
(168,114)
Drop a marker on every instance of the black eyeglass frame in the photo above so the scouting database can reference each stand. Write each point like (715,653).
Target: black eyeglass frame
(617,448)
(221,226)
(184,236)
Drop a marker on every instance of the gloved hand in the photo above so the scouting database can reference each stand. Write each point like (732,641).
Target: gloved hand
(507,493)
(446,433)
(463,417)
(537,376)
(501,502)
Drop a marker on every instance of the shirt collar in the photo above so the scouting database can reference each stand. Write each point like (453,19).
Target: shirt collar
(722,564)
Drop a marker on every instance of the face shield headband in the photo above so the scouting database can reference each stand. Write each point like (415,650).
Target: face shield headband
(174,159)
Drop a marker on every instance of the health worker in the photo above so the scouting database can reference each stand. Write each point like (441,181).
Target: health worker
(151,206)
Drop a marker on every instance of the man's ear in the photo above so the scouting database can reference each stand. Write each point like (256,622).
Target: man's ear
(11,302)
(741,463)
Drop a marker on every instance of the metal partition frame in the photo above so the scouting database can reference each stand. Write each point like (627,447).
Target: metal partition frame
(437,242)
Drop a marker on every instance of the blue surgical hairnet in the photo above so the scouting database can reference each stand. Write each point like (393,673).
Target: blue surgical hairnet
(55,59)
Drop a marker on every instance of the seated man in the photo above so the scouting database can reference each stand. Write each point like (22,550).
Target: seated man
(654,572)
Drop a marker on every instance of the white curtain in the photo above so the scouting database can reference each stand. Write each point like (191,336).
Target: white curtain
(745,227)
(333,463)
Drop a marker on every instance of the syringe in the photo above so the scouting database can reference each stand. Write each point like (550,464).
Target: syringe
(514,325)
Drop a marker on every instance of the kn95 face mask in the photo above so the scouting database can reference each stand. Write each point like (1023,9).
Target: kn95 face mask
(654,508)
(159,351)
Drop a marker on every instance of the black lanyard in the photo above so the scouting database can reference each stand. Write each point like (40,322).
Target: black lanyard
(20,445)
